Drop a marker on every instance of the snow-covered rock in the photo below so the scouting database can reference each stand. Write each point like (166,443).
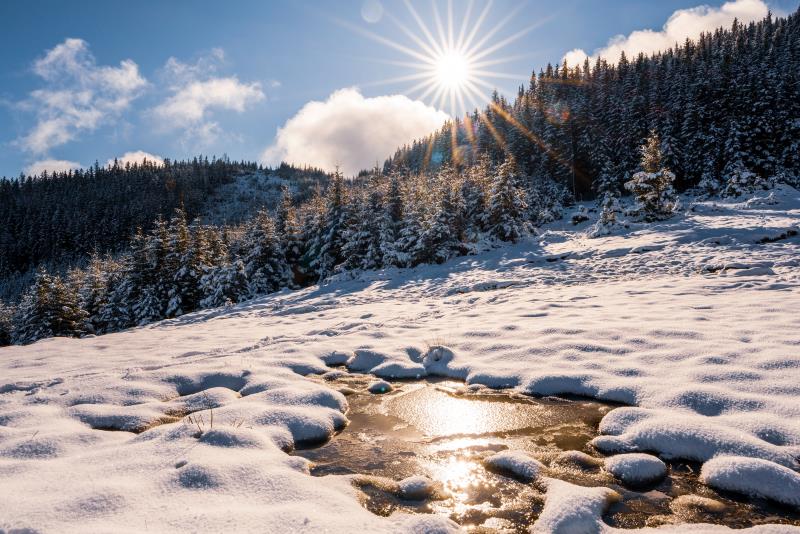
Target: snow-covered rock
(753,476)
(571,509)
(380,386)
(417,488)
(636,468)
(516,463)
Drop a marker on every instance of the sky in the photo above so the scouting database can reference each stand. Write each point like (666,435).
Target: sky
(310,82)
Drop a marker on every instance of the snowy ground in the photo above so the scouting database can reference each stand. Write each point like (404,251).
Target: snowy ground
(693,322)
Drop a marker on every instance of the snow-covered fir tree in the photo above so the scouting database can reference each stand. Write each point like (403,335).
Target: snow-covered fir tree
(608,221)
(334,228)
(288,230)
(441,240)
(265,262)
(49,308)
(652,186)
(151,280)
(93,292)
(6,323)
(474,192)
(391,224)
(740,181)
(507,206)
(224,285)
(362,249)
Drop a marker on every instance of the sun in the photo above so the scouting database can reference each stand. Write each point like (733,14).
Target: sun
(450,63)
(452,70)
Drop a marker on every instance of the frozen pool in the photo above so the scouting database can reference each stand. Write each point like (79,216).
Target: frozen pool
(443,430)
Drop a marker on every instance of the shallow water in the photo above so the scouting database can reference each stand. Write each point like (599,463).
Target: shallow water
(443,430)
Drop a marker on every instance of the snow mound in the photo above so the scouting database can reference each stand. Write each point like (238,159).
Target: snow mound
(235,437)
(571,509)
(336,357)
(137,418)
(439,361)
(188,383)
(364,360)
(200,477)
(306,424)
(399,370)
(753,476)
(683,435)
(516,463)
(427,524)
(636,468)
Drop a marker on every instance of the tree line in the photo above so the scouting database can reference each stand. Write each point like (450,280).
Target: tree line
(58,219)
(372,222)
(726,108)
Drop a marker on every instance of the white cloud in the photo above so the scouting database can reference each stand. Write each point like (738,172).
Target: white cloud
(136,157)
(351,131)
(682,24)
(80,96)
(50,165)
(191,104)
(197,93)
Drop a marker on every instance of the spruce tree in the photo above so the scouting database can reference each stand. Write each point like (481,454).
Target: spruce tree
(362,249)
(288,230)
(70,319)
(334,229)
(225,285)
(6,323)
(507,203)
(264,263)
(391,224)
(441,240)
(652,186)
(474,193)
(36,314)
(93,293)
(50,308)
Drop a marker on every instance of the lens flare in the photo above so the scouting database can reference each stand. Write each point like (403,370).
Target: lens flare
(449,62)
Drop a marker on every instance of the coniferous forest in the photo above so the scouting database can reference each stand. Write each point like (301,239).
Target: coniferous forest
(724,105)
(116,247)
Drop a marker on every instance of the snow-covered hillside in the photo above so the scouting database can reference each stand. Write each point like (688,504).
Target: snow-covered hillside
(693,323)
(239,200)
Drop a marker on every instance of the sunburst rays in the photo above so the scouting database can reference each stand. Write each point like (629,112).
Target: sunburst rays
(451,65)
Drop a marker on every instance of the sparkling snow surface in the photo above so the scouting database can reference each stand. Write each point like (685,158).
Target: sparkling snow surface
(694,323)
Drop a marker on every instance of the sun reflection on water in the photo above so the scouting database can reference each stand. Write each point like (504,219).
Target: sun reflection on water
(462,476)
(437,413)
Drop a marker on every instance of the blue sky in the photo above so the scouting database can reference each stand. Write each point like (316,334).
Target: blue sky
(94,80)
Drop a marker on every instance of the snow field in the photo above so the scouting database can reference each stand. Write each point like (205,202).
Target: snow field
(691,322)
